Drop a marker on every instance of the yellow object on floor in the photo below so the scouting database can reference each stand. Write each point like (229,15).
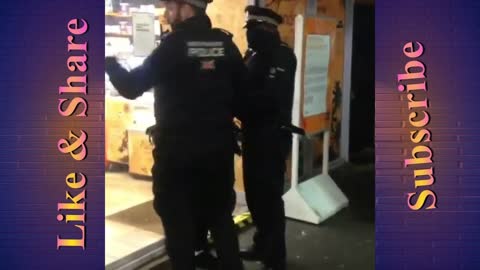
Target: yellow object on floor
(243,220)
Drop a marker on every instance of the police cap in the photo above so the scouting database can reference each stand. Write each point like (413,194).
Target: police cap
(257,14)
(196,3)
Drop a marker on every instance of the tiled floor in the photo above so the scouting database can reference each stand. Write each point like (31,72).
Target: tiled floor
(131,223)
(123,192)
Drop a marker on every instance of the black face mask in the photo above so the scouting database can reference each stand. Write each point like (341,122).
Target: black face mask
(262,40)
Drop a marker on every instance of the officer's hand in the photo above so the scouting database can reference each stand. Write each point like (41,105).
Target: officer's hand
(151,132)
(110,63)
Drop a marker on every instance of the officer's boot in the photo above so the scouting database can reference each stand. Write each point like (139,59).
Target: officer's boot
(283,267)
(277,265)
(255,252)
(206,261)
(251,254)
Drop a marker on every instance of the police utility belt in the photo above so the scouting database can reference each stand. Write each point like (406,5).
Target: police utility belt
(293,129)
(289,128)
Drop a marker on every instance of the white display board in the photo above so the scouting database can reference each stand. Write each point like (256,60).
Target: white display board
(318,198)
(143,33)
(317,59)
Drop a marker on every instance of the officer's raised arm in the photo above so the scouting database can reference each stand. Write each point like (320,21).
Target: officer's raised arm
(132,84)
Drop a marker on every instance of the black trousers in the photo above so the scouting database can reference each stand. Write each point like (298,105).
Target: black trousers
(201,229)
(190,187)
(264,155)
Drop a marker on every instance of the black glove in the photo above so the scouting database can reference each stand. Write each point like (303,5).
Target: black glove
(237,149)
(237,133)
(111,64)
(151,134)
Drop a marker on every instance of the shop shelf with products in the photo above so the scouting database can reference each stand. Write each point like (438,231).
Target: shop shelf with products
(118,23)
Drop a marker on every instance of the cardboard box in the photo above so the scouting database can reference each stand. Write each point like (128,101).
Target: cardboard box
(140,153)
(118,118)
(139,147)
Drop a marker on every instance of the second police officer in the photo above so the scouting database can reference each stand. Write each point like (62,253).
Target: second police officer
(271,68)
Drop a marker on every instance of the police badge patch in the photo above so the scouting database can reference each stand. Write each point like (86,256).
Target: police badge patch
(203,49)
(208,65)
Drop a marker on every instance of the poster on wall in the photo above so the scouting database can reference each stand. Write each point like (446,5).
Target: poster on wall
(316,75)
(143,33)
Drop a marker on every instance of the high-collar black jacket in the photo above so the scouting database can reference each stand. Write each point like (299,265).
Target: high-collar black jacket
(271,80)
(196,73)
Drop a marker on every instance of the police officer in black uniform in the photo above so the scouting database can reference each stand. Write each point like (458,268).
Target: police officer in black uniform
(195,72)
(271,72)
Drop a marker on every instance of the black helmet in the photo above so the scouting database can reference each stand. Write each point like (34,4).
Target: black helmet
(196,3)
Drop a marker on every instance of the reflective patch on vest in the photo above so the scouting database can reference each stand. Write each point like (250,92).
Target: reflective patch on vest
(206,52)
(201,49)
(205,44)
